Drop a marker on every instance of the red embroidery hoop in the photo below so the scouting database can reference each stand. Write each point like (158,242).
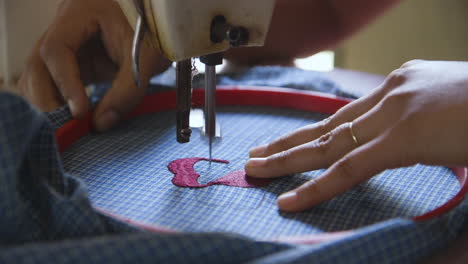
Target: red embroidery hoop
(247,95)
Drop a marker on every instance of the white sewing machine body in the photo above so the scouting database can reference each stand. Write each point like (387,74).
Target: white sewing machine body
(181,28)
(184,29)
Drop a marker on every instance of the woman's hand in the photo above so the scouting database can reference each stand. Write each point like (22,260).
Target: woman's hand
(418,115)
(88,41)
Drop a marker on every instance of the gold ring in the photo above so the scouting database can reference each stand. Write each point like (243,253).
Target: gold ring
(352,133)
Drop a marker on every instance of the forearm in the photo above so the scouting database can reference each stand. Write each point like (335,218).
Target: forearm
(301,28)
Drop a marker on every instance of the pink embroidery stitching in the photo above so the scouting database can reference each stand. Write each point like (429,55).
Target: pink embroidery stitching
(186,176)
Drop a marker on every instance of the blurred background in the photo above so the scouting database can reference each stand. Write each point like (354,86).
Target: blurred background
(416,29)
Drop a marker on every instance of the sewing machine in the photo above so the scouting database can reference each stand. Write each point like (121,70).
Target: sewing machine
(184,29)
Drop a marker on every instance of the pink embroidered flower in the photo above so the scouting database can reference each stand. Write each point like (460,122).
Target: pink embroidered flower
(186,176)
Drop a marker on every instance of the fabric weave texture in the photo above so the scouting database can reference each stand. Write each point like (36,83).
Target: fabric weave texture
(47,201)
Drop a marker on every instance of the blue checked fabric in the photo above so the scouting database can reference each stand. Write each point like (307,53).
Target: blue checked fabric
(46,200)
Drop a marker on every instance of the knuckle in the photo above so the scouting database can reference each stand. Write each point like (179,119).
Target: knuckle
(279,159)
(346,169)
(312,187)
(396,78)
(411,63)
(47,49)
(324,126)
(323,143)
(397,100)
(278,144)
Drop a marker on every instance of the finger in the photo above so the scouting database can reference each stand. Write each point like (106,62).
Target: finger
(124,94)
(59,54)
(324,151)
(317,154)
(36,84)
(119,100)
(359,165)
(309,156)
(306,134)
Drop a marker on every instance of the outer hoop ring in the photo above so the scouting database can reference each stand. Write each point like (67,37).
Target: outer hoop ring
(248,95)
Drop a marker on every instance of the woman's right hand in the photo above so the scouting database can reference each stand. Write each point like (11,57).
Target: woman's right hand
(418,115)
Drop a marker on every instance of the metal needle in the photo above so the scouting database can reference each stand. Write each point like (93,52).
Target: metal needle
(210,105)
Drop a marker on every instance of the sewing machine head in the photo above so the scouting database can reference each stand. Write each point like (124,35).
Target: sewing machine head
(184,29)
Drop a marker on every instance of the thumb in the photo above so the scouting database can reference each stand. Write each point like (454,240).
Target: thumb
(124,95)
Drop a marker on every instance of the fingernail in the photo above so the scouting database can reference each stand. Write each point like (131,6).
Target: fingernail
(106,120)
(73,107)
(287,199)
(256,162)
(257,151)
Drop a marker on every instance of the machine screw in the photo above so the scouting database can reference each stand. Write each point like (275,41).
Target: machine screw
(185,133)
(222,30)
(238,36)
